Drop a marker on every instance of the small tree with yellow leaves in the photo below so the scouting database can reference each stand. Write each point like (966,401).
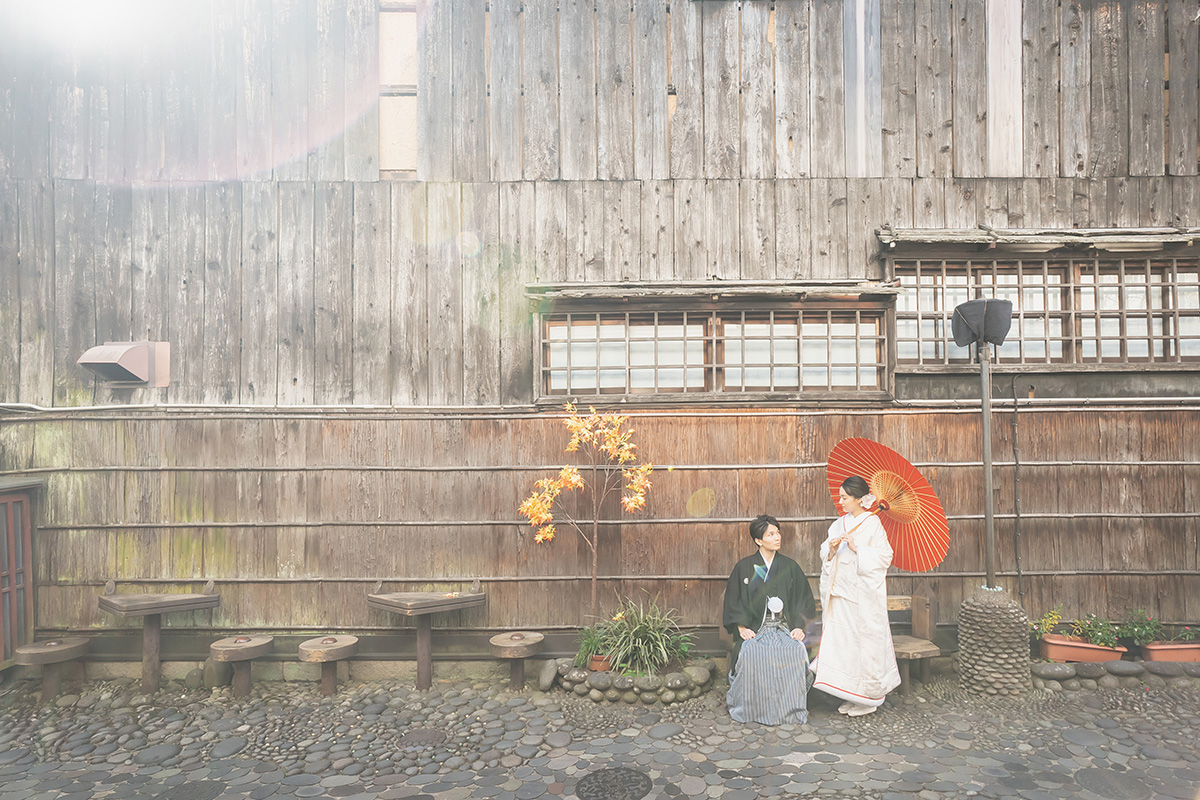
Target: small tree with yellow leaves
(609,456)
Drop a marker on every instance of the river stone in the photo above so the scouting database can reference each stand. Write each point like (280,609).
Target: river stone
(1192,668)
(1107,681)
(155,754)
(1165,669)
(595,695)
(623,683)
(648,683)
(665,730)
(1087,683)
(1130,682)
(1154,681)
(612,695)
(600,680)
(676,680)
(1050,671)
(666,696)
(699,675)
(1038,683)
(1054,686)
(577,675)
(1123,668)
(194,679)
(1092,671)
(564,667)
(580,689)
(546,677)
(228,747)
(217,673)
(649,698)
(1072,685)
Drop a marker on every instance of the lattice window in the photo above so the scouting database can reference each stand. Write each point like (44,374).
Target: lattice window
(709,351)
(1068,311)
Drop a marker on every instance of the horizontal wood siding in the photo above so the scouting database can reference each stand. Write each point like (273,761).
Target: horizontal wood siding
(296,517)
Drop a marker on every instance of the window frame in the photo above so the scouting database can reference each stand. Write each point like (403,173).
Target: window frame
(878,308)
(1073,315)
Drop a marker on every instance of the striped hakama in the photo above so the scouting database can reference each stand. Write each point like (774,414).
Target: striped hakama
(769,685)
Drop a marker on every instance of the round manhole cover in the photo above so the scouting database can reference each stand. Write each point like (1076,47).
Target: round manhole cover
(1108,783)
(422,737)
(613,784)
(192,790)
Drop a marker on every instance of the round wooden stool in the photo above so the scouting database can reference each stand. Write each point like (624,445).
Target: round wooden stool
(240,651)
(50,655)
(328,651)
(516,646)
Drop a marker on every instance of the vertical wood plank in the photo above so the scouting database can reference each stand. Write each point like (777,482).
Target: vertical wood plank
(333,330)
(1147,96)
(550,227)
(186,265)
(469,96)
(614,91)
(898,71)
(687,77)
(222,333)
(577,89)
(480,300)
(297,341)
(651,144)
(32,108)
(444,298)
(828,130)
(435,108)
(106,116)
(219,139)
(861,30)
(1183,39)
(74,291)
(657,229)
(260,292)
(253,129)
(372,293)
(112,256)
(290,21)
(720,69)
(961,206)
(69,124)
(1040,79)
(409,331)
(830,229)
(1109,89)
(582,248)
(1075,98)
(10,289)
(935,82)
(929,207)
(504,85)
(793,232)
(691,243)
(792,92)
(1004,95)
(539,59)
(518,268)
(144,145)
(327,92)
(757,80)
(362,90)
(150,273)
(757,229)
(187,69)
(970,94)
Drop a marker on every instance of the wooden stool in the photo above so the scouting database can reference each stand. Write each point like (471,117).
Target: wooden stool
(240,651)
(328,651)
(51,655)
(516,647)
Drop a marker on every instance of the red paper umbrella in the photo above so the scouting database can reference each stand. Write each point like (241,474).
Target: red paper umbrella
(908,508)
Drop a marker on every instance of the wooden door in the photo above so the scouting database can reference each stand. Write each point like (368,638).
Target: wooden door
(16,581)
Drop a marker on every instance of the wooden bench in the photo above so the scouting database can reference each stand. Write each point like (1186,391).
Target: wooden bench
(422,605)
(328,651)
(240,651)
(516,647)
(51,655)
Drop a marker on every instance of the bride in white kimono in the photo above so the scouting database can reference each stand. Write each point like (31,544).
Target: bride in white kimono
(856,661)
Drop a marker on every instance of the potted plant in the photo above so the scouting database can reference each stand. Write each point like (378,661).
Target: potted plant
(1141,629)
(1045,624)
(644,637)
(1183,646)
(593,645)
(1092,639)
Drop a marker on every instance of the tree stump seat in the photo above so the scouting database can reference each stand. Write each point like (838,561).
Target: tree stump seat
(328,651)
(515,647)
(51,655)
(240,651)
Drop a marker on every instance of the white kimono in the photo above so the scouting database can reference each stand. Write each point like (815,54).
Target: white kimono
(856,661)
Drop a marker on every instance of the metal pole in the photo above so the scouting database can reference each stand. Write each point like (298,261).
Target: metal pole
(988,511)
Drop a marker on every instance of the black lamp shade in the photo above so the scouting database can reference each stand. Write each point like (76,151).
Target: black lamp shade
(981,320)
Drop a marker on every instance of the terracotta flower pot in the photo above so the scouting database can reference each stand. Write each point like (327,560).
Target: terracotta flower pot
(600,664)
(1171,651)
(1056,647)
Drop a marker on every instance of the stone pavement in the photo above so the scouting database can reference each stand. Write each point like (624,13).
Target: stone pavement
(384,741)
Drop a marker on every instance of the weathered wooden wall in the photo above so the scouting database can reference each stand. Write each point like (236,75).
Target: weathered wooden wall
(378,293)
(297,516)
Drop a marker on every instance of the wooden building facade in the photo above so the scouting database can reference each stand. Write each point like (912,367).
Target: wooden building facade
(747,223)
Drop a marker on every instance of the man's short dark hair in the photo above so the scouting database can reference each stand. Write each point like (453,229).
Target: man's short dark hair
(759,525)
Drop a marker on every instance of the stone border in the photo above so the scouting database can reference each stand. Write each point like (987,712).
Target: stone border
(1114,675)
(691,681)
